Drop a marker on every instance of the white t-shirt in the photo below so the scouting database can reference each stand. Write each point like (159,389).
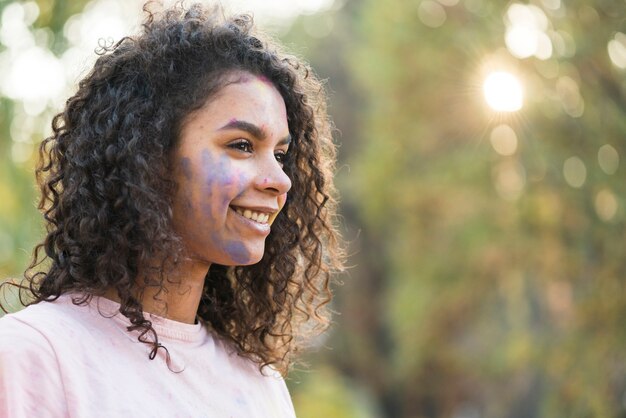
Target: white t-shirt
(62,360)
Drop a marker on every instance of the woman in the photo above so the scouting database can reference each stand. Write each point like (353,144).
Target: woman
(189,205)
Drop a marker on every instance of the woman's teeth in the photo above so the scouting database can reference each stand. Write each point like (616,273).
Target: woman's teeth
(259,217)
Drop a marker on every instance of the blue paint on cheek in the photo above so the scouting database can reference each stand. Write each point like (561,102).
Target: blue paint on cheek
(218,177)
(241,183)
(224,171)
(208,168)
(219,181)
(208,187)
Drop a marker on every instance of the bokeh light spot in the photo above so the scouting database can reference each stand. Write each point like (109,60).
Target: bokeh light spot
(608,158)
(21,152)
(503,92)
(504,140)
(527,15)
(544,46)
(522,41)
(509,179)
(526,32)
(575,172)
(606,205)
(431,13)
(551,4)
(14,32)
(564,43)
(569,93)
(475,6)
(449,3)
(36,74)
(617,50)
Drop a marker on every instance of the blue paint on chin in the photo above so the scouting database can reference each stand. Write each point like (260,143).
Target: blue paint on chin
(236,250)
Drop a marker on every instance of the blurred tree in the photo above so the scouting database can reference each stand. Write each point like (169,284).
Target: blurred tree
(489,277)
(22,128)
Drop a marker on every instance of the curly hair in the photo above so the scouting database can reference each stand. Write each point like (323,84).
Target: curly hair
(106,188)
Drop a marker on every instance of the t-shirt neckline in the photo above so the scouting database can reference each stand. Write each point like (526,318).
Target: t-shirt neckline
(165,328)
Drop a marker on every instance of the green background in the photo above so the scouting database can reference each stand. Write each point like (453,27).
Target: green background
(480,284)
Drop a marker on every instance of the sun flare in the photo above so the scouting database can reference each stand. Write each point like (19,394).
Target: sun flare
(503,91)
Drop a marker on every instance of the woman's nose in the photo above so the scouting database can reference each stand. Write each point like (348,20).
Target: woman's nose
(272,178)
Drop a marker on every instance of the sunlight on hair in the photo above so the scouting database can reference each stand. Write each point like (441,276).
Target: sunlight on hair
(503,91)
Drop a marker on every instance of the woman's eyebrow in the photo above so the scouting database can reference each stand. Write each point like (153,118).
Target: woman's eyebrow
(242,125)
(252,129)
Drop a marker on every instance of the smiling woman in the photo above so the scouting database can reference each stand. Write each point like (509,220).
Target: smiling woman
(233,182)
(189,205)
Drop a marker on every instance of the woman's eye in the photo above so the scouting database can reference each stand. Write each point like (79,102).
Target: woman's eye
(281,156)
(243,145)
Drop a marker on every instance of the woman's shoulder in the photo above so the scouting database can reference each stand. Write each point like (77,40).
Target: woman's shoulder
(29,357)
(53,313)
(24,340)
(58,320)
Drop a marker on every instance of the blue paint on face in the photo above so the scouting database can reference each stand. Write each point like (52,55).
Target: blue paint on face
(217,189)
(219,180)
(236,250)
(209,188)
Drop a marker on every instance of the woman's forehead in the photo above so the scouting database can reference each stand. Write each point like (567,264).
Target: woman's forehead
(251,102)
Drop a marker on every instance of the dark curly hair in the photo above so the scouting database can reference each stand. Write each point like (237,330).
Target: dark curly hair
(107,191)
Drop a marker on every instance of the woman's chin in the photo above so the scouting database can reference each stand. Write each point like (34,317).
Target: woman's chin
(242,256)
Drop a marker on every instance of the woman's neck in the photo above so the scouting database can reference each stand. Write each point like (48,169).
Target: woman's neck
(179,297)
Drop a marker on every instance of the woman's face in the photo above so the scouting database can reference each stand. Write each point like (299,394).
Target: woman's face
(227,164)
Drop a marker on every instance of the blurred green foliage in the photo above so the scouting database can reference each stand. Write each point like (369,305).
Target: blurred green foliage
(486,282)
(485,285)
